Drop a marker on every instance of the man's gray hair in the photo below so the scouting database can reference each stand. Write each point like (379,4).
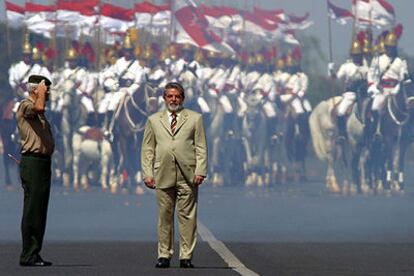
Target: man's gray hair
(31,86)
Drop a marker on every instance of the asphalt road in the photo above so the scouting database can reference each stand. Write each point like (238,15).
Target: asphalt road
(293,229)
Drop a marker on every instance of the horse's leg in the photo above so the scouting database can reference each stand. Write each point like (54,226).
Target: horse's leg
(398,163)
(250,179)
(116,163)
(331,182)
(360,169)
(216,133)
(301,146)
(7,167)
(261,135)
(66,139)
(401,162)
(77,143)
(8,148)
(106,156)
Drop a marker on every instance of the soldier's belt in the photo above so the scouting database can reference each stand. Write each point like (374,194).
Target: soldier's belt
(389,83)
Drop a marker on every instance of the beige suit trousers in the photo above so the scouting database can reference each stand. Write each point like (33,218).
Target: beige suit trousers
(185,195)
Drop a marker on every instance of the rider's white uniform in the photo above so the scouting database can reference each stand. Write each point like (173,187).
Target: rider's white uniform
(295,88)
(266,86)
(384,78)
(349,73)
(128,71)
(85,84)
(20,72)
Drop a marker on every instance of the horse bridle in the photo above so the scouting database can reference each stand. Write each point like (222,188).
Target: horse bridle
(393,102)
(135,127)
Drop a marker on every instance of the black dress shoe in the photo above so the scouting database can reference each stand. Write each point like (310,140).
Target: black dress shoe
(36,261)
(163,263)
(186,264)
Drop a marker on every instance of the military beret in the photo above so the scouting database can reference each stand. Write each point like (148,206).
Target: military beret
(38,79)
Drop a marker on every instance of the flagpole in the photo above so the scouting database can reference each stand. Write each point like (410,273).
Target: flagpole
(98,46)
(172,26)
(331,80)
(329,35)
(355,22)
(8,38)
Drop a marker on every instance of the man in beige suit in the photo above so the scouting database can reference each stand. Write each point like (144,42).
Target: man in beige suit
(174,162)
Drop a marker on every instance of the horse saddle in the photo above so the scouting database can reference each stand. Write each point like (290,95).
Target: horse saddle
(91,133)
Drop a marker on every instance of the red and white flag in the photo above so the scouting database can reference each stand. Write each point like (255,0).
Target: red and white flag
(147,14)
(221,17)
(192,27)
(338,14)
(116,19)
(81,16)
(294,22)
(15,15)
(377,13)
(77,12)
(41,11)
(259,26)
(40,19)
(271,16)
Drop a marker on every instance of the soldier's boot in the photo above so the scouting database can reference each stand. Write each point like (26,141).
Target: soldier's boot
(228,124)
(101,121)
(372,127)
(303,124)
(376,123)
(91,119)
(342,134)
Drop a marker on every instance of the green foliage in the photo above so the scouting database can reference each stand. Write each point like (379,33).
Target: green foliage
(314,63)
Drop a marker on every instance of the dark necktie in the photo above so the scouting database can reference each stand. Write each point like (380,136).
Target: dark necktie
(173,121)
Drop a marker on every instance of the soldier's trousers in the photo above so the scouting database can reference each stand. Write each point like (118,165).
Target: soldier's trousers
(35,174)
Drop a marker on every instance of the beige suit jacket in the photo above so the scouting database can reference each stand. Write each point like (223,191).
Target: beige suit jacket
(161,149)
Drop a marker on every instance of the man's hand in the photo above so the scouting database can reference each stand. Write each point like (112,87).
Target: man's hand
(149,182)
(373,90)
(41,88)
(198,179)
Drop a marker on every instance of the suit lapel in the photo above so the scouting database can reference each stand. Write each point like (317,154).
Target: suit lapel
(181,120)
(165,122)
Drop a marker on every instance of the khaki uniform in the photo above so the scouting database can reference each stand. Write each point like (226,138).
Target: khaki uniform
(35,173)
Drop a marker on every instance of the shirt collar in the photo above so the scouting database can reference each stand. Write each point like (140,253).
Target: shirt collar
(177,112)
(31,99)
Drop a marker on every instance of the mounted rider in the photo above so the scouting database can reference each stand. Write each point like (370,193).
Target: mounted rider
(122,78)
(387,73)
(294,88)
(353,75)
(20,72)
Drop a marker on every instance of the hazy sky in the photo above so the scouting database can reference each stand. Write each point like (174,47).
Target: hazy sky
(341,35)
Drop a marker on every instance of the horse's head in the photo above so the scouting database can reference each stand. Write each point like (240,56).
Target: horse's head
(68,92)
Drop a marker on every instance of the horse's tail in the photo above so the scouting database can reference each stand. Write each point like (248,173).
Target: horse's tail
(318,130)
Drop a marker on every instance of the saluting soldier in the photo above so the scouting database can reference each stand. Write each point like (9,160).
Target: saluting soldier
(37,146)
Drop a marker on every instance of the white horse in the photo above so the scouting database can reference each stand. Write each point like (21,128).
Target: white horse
(324,138)
(91,148)
(255,137)
(73,116)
